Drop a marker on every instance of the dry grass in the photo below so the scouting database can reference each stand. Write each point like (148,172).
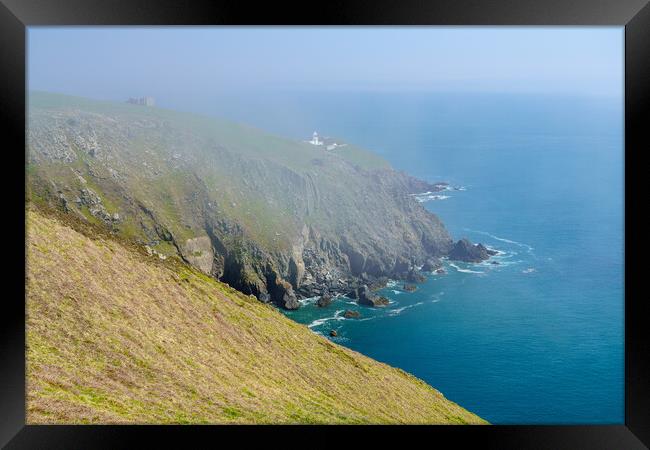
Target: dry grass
(114,336)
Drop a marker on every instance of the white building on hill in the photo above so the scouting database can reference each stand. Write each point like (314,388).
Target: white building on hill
(315,140)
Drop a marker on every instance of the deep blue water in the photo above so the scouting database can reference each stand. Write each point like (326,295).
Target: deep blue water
(539,337)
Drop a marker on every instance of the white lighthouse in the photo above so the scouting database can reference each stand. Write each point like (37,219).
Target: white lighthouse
(315,140)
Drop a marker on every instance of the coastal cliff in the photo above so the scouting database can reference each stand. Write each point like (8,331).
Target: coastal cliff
(275,218)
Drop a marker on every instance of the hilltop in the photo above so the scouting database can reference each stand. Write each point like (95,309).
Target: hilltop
(115,335)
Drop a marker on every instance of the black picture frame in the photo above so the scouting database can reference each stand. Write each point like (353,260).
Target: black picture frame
(16,15)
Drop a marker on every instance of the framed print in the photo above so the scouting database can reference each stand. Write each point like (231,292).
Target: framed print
(421,214)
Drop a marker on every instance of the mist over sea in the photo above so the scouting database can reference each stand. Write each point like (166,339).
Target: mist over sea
(537,338)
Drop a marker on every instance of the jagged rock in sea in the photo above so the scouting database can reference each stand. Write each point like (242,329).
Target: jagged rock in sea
(382,301)
(465,251)
(324,300)
(349,314)
(367,298)
(410,287)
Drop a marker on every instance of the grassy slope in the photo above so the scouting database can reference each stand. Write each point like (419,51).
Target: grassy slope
(114,336)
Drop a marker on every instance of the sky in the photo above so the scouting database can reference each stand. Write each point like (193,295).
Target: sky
(114,63)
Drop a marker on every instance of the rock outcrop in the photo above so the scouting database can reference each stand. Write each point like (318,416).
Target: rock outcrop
(349,314)
(93,202)
(324,300)
(465,251)
(367,298)
(198,252)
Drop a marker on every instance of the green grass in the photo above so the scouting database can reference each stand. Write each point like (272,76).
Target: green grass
(115,336)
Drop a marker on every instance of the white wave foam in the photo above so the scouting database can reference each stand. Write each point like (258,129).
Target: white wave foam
(529,270)
(391,283)
(464,270)
(425,198)
(509,241)
(318,322)
(365,318)
(502,263)
(396,292)
(394,312)
(505,255)
(307,301)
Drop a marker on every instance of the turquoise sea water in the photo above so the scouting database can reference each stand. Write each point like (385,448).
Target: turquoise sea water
(539,337)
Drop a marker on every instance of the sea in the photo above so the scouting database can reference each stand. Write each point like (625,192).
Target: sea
(537,338)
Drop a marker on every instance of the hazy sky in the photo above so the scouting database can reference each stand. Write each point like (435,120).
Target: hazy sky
(117,62)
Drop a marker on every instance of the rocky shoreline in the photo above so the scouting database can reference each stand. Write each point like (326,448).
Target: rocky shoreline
(362,288)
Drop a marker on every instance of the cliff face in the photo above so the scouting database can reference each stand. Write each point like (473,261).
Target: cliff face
(272,217)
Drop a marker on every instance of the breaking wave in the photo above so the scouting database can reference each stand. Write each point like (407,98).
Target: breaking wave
(396,311)
(497,238)
(318,322)
(425,197)
(464,270)
(307,301)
